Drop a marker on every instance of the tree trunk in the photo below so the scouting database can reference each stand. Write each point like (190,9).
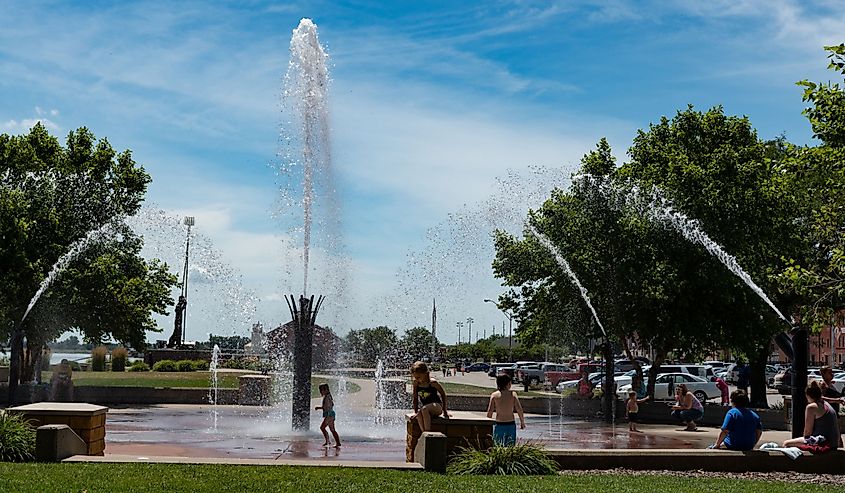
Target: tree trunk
(15,363)
(609,392)
(659,356)
(758,360)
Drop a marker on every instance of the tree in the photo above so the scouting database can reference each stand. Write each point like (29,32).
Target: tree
(52,196)
(417,343)
(817,176)
(369,345)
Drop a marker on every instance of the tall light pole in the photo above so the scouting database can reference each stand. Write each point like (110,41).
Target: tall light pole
(459,325)
(510,327)
(469,330)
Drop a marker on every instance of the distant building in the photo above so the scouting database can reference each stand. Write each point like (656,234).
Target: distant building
(256,343)
(279,343)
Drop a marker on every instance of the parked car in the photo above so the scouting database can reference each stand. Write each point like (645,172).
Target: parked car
(596,379)
(666,383)
(541,372)
(702,371)
(565,373)
(495,368)
(477,367)
(715,364)
(521,365)
(782,382)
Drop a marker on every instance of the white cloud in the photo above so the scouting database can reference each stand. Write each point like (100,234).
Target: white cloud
(24,125)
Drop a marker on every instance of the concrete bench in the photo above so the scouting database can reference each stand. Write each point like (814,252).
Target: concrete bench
(87,421)
(462,429)
(698,459)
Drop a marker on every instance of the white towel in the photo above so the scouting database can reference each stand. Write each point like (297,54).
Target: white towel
(791,452)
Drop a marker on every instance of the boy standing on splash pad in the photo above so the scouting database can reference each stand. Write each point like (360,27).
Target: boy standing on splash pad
(504,402)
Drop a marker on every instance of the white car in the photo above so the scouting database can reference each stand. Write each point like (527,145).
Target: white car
(666,383)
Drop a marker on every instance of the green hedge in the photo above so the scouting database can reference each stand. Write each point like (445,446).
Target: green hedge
(181,365)
(139,366)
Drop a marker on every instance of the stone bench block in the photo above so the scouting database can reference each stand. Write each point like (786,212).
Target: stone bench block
(462,429)
(54,443)
(254,390)
(430,451)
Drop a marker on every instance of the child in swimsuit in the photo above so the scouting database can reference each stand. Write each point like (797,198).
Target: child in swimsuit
(328,415)
(504,402)
(632,409)
(429,396)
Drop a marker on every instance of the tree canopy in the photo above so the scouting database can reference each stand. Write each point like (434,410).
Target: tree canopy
(53,196)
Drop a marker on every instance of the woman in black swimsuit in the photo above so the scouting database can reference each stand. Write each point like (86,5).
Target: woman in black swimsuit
(429,396)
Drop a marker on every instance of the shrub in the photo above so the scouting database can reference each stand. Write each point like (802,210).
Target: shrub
(200,365)
(17,438)
(119,356)
(184,365)
(98,358)
(165,365)
(74,366)
(4,361)
(139,366)
(522,459)
(245,363)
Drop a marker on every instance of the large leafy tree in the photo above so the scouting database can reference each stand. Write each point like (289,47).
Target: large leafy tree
(817,175)
(416,343)
(366,346)
(715,169)
(51,197)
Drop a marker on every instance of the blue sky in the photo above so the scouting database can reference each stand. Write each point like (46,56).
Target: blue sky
(430,102)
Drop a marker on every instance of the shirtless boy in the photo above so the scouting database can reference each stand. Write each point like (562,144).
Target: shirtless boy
(504,402)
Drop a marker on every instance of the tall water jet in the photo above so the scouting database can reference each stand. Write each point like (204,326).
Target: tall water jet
(306,91)
(212,391)
(79,247)
(660,209)
(564,265)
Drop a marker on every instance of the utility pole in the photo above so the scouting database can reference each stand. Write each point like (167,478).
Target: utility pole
(459,325)
(433,329)
(469,325)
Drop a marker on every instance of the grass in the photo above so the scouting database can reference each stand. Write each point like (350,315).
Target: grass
(192,379)
(129,478)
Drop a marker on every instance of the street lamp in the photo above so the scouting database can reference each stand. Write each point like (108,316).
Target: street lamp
(459,325)
(510,327)
(469,330)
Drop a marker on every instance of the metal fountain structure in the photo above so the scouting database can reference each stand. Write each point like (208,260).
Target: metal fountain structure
(304,317)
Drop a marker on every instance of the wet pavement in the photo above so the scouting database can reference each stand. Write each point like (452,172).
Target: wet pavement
(264,433)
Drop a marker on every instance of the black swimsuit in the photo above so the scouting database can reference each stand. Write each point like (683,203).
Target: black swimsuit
(428,395)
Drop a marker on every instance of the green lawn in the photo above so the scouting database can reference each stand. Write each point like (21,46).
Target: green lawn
(190,379)
(127,478)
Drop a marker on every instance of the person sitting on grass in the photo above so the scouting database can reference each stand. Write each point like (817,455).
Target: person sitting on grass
(687,408)
(429,396)
(741,429)
(504,402)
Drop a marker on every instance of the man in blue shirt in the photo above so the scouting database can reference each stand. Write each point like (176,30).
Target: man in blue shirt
(742,428)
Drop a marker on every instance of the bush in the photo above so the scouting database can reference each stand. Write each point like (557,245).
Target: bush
(200,365)
(165,365)
(139,366)
(74,366)
(245,363)
(184,365)
(119,356)
(519,460)
(98,358)
(17,438)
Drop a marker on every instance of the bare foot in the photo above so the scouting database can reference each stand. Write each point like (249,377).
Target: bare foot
(337,446)
(326,444)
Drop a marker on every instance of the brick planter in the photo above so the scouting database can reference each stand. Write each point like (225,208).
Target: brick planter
(86,420)
(463,429)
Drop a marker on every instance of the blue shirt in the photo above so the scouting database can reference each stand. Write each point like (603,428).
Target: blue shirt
(742,425)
